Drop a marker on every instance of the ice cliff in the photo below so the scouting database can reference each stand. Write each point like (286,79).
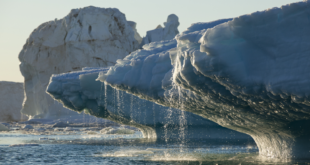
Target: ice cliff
(11,99)
(79,91)
(163,33)
(249,74)
(90,36)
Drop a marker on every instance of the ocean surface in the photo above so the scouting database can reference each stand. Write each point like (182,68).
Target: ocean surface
(87,145)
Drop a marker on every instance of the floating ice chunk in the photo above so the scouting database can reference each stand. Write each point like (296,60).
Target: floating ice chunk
(3,127)
(28,127)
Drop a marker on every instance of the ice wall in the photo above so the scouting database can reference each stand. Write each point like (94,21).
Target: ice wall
(79,91)
(11,100)
(249,74)
(168,32)
(90,36)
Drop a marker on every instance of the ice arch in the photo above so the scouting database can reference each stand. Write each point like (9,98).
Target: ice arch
(250,74)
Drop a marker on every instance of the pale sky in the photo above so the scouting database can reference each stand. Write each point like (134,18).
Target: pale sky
(20,17)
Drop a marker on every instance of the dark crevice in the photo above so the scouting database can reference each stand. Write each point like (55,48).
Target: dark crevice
(79,22)
(89,31)
(119,25)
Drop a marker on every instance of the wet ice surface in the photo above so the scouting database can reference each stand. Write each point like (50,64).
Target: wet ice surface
(80,145)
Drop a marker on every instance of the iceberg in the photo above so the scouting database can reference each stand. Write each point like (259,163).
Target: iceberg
(86,37)
(248,74)
(79,91)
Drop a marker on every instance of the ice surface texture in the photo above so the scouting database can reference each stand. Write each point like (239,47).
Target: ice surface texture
(11,99)
(249,74)
(79,91)
(90,36)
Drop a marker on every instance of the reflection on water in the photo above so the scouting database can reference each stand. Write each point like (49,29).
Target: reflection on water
(79,147)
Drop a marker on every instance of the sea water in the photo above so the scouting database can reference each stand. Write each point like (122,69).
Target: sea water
(86,145)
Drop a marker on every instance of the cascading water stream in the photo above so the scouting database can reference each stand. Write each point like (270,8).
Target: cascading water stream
(100,99)
(166,127)
(105,100)
(182,122)
(131,107)
(154,117)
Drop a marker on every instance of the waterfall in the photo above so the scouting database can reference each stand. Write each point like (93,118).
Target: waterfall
(167,125)
(105,100)
(182,121)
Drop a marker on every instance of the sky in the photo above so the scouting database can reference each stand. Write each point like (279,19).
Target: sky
(20,17)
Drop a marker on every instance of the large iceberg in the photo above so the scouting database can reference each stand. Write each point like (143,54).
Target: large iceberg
(249,74)
(86,37)
(11,99)
(79,91)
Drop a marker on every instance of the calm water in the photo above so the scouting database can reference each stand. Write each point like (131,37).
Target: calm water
(88,146)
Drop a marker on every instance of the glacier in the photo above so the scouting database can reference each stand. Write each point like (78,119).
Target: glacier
(86,37)
(79,91)
(248,74)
